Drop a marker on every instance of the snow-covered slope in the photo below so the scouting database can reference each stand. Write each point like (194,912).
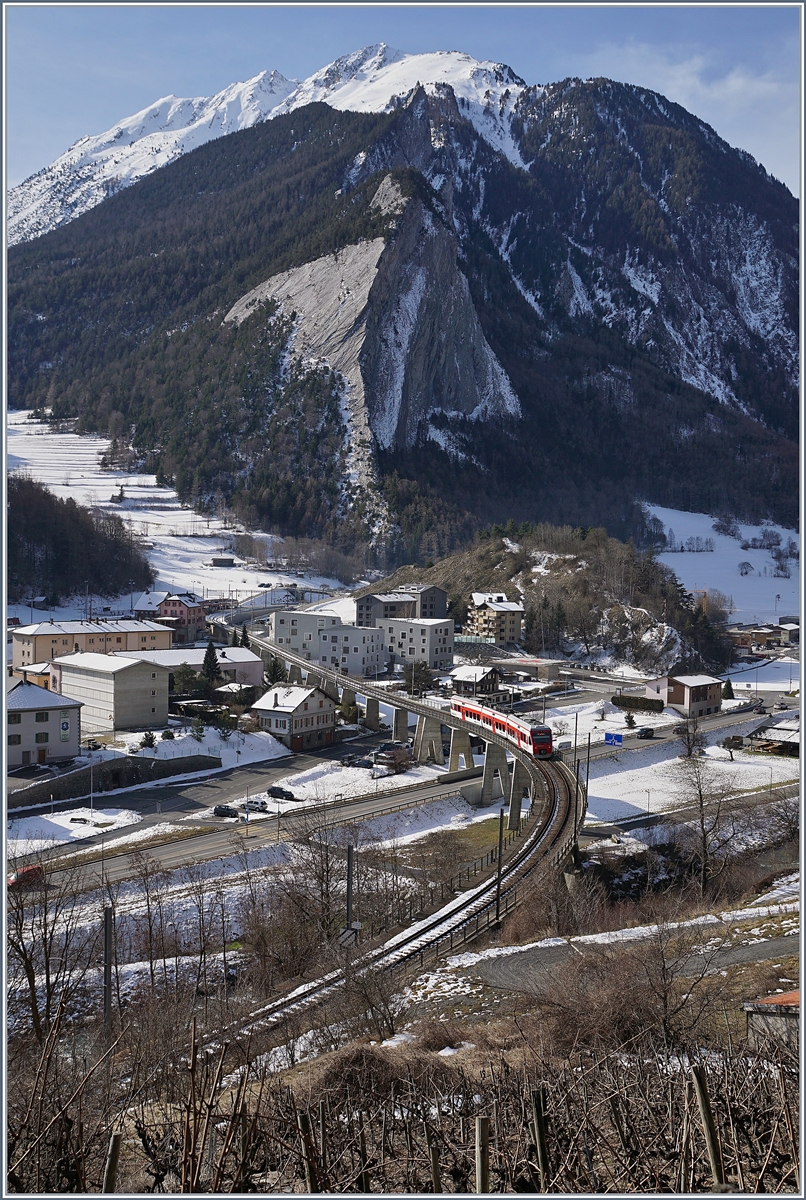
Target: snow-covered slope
(373,79)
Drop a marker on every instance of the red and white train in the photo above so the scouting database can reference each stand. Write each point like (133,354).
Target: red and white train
(536,739)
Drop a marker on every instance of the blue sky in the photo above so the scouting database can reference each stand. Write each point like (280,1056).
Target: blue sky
(73,70)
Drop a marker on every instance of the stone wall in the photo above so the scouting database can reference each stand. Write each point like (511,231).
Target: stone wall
(108,775)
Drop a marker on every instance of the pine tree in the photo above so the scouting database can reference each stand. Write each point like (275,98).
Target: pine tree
(276,671)
(210,668)
(235,641)
(727,690)
(244,637)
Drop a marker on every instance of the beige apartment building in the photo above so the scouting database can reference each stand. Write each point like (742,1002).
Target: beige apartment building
(41,728)
(117,693)
(47,640)
(491,615)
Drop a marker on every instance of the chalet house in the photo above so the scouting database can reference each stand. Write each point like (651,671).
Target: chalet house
(690,695)
(41,727)
(147,604)
(301,718)
(475,680)
(53,639)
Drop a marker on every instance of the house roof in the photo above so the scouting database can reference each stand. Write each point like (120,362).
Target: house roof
(503,606)
(790,1000)
(26,697)
(480,598)
(68,627)
(695,680)
(473,674)
(105,664)
(288,699)
(392,597)
(149,600)
(192,655)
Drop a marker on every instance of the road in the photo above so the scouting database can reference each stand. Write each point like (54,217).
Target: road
(530,970)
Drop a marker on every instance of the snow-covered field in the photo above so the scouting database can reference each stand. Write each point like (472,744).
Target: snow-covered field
(26,835)
(780,675)
(757,596)
(182,542)
(235,751)
(635,782)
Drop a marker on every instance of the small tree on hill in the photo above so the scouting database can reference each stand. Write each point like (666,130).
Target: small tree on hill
(727,690)
(197,729)
(692,737)
(244,637)
(234,639)
(148,740)
(629,720)
(210,668)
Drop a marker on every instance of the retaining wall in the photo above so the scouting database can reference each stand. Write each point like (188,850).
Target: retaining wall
(109,774)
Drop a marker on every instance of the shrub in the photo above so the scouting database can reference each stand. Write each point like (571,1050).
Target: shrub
(167,735)
(641,703)
(148,740)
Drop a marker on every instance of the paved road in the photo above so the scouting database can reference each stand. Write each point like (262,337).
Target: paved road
(531,970)
(226,835)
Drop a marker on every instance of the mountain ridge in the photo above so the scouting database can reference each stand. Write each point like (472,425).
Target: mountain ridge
(649,357)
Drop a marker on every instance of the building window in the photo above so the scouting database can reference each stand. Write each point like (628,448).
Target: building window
(41,716)
(153,693)
(41,738)
(153,710)
(15,739)
(15,718)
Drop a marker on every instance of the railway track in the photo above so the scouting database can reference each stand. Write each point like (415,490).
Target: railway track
(547,844)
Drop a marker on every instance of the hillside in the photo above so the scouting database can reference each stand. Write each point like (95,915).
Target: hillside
(389,329)
(584,594)
(57,549)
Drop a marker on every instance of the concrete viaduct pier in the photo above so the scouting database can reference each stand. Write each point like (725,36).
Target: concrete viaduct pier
(498,780)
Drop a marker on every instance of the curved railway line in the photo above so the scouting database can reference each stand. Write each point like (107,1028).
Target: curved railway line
(557,804)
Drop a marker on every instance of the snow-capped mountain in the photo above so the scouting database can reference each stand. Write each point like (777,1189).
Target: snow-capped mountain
(373,79)
(414,294)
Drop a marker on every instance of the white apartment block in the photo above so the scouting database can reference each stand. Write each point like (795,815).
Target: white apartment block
(325,639)
(428,640)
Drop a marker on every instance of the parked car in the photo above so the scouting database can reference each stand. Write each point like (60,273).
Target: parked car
(760,709)
(225,810)
(781,706)
(363,762)
(26,877)
(679,729)
(348,760)
(645,732)
(280,793)
(255,805)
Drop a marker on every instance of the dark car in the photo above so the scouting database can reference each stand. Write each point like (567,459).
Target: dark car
(645,732)
(678,729)
(225,810)
(363,762)
(348,760)
(759,708)
(280,793)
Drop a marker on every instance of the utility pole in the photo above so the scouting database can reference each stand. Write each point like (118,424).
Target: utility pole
(498,873)
(107,974)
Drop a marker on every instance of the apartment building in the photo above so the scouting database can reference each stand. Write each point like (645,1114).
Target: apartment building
(491,615)
(117,693)
(429,641)
(411,601)
(324,638)
(53,639)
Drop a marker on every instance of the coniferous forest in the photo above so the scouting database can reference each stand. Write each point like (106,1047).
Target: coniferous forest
(58,548)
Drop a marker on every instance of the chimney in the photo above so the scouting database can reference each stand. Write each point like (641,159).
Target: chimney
(25,677)
(276,699)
